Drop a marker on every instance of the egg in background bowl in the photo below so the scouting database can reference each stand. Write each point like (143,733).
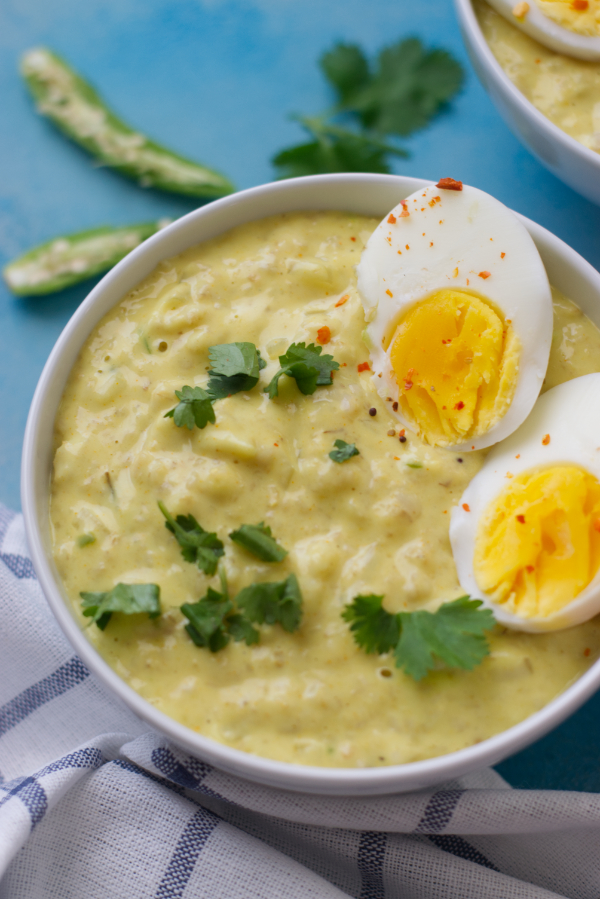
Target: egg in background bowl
(571,27)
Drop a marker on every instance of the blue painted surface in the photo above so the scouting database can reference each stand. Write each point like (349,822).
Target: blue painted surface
(216,80)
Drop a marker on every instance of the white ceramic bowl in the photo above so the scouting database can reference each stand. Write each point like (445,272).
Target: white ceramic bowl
(576,165)
(366,194)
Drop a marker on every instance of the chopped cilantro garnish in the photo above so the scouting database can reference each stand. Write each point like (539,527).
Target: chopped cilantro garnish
(454,633)
(415,464)
(129,599)
(85,539)
(194,408)
(343,451)
(258,540)
(274,602)
(234,367)
(197,545)
(306,364)
(215,618)
(212,621)
(396,95)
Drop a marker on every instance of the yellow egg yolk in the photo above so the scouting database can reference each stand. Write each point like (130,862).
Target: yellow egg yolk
(580,16)
(456,363)
(538,543)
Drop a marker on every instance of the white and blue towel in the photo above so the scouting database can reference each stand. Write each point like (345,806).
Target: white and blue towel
(93,806)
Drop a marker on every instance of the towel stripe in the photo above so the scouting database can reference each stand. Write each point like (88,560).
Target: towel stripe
(190,845)
(371,854)
(439,811)
(68,675)
(459,847)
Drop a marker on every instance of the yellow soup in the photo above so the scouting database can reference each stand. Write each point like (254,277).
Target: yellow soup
(377,523)
(564,89)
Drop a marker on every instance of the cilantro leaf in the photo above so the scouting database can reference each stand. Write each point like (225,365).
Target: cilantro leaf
(407,88)
(234,367)
(273,603)
(343,451)
(194,408)
(197,545)
(454,633)
(258,540)
(129,599)
(374,629)
(207,620)
(307,366)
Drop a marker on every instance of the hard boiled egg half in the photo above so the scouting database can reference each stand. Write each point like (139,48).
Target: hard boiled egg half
(526,533)
(571,27)
(459,315)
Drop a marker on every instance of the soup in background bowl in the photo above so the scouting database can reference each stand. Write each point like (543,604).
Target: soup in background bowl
(353,739)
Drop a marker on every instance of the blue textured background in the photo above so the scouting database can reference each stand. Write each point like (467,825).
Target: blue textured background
(216,80)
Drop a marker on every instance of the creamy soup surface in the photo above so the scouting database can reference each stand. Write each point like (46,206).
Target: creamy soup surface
(564,89)
(374,524)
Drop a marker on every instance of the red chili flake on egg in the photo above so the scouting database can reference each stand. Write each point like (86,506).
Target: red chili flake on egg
(343,300)
(520,519)
(546,440)
(530,568)
(395,406)
(363,366)
(485,275)
(389,293)
(449,184)
(405,213)
(391,219)
(587,651)
(460,405)
(580,5)
(407,247)
(323,335)
(353,238)
(502,255)
(466,507)
(597,525)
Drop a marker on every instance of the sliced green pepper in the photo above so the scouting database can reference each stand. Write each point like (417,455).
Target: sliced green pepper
(64,261)
(74,106)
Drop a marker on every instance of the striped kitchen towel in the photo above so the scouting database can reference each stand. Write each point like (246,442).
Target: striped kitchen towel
(92,806)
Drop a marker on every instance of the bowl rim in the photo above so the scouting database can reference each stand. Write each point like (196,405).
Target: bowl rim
(289,776)
(476,42)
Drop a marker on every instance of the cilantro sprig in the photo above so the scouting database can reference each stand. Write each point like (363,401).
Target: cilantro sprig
(343,451)
(234,367)
(454,633)
(128,599)
(194,408)
(197,545)
(258,539)
(216,619)
(307,365)
(396,94)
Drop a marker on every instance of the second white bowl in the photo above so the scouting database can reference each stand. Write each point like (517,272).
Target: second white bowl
(576,165)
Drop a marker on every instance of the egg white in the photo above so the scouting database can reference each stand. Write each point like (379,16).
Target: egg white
(570,414)
(451,241)
(548,32)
